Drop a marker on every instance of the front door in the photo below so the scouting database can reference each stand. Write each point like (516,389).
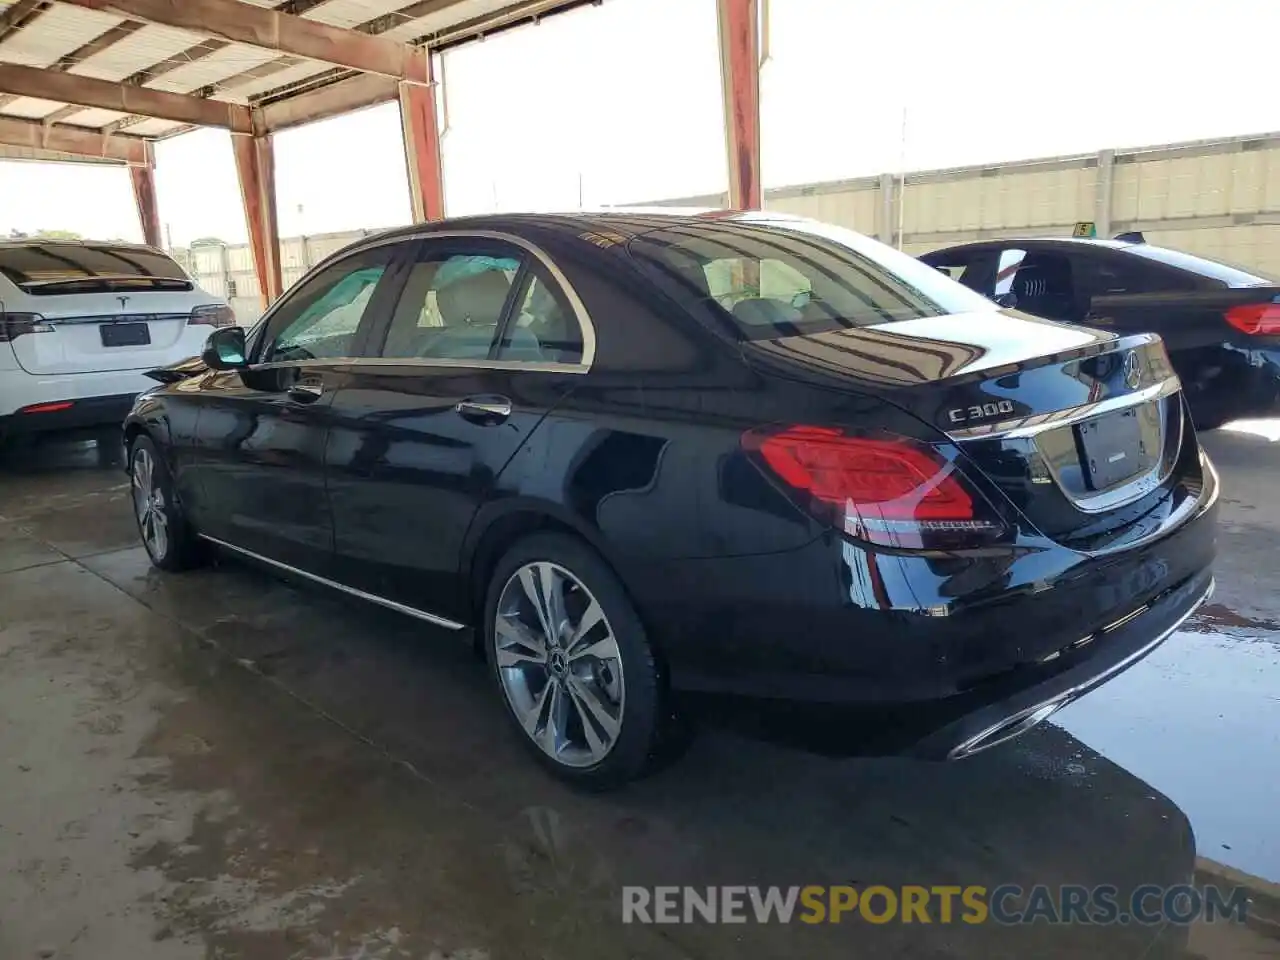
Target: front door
(259,460)
(481,345)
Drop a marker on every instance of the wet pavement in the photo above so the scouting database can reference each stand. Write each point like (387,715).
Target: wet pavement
(223,765)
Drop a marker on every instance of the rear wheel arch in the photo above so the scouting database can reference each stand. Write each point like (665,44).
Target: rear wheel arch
(499,527)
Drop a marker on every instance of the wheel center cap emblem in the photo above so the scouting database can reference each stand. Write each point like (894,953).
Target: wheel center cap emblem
(558,663)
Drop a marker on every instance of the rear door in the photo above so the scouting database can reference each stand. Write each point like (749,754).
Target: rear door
(482,343)
(108,307)
(258,464)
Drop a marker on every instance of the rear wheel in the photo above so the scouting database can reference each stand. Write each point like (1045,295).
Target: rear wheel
(571,659)
(166,534)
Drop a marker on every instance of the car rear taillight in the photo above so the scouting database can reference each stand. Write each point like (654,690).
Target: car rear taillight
(885,489)
(1255,318)
(212,315)
(15,325)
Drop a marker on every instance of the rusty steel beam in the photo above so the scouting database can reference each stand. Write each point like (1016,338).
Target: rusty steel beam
(71,140)
(107,95)
(272,30)
(739,35)
(354,93)
(256,168)
(421,133)
(144,195)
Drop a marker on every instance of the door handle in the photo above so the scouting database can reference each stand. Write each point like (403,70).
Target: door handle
(306,392)
(486,411)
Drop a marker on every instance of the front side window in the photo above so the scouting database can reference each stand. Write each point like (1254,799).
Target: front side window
(320,320)
(453,301)
(792,278)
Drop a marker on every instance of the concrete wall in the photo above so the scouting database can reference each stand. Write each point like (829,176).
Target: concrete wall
(1219,198)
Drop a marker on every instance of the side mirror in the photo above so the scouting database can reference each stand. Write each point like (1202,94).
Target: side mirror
(225,349)
(1007,300)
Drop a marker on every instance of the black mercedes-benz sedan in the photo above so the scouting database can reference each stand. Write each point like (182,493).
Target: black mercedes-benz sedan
(1220,324)
(641,456)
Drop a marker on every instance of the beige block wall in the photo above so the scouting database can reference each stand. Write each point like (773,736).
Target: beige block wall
(1220,199)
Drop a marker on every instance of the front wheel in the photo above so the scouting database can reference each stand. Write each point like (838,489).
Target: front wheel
(577,673)
(167,536)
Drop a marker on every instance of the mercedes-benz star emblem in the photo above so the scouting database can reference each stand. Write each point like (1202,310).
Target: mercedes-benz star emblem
(1132,370)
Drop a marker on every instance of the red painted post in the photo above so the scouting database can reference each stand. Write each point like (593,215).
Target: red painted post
(421,132)
(256,167)
(739,22)
(144,195)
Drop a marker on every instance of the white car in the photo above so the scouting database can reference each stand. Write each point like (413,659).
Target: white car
(80,324)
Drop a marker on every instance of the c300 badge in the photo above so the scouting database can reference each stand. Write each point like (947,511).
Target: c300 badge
(980,411)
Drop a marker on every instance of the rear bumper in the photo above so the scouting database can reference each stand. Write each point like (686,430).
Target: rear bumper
(963,649)
(54,417)
(1014,706)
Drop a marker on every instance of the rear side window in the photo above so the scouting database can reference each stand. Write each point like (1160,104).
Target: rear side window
(778,279)
(453,301)
(59,267)
(1224,273)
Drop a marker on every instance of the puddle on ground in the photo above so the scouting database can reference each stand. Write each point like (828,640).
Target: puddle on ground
(1199,719)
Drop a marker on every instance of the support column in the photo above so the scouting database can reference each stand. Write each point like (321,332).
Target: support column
(739,23)
(421,133)
(885,228)
(1102,207)
(256,167)
(144,195)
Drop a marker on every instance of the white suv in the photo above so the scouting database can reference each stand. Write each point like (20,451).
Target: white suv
(81,323)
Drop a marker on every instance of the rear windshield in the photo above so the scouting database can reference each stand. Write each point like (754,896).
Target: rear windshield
(774,279)
(83,267)
(1222,272)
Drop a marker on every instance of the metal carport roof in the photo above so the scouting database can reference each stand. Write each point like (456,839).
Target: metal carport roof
(104,79)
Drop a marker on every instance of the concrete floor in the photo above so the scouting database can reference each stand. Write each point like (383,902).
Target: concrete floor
(221,765)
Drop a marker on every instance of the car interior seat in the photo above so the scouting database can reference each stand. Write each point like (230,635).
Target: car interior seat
(1043,287)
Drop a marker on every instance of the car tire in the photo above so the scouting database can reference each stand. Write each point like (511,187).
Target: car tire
(166,534)
(588,701)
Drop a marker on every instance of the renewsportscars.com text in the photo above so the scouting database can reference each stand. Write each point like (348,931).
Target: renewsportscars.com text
(1005,904)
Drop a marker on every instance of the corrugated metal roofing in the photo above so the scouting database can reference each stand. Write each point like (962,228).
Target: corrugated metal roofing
(110,47)
(53,34)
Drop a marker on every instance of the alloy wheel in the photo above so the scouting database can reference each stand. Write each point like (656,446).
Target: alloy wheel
(559,663)
(149,505)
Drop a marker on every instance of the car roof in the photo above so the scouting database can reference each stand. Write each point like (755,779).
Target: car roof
(629,221)
(12,242)
(1076,241)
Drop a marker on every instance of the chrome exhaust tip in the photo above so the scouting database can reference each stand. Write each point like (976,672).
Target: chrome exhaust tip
(1008,728)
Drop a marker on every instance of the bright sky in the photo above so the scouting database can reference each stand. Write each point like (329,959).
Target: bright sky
(623,101)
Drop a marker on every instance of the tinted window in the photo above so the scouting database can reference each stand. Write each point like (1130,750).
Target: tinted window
(1119,275)
(796,277)
(543,327)
(38,265)
(452,303)
(1046,283)
(1229,275)
(320,319)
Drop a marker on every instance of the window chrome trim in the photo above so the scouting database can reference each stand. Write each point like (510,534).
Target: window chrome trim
(372,598)
(532,366)
(575,304)
(1023,427)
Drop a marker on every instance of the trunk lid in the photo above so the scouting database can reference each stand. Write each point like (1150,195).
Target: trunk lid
(1081,429)
(99,332)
